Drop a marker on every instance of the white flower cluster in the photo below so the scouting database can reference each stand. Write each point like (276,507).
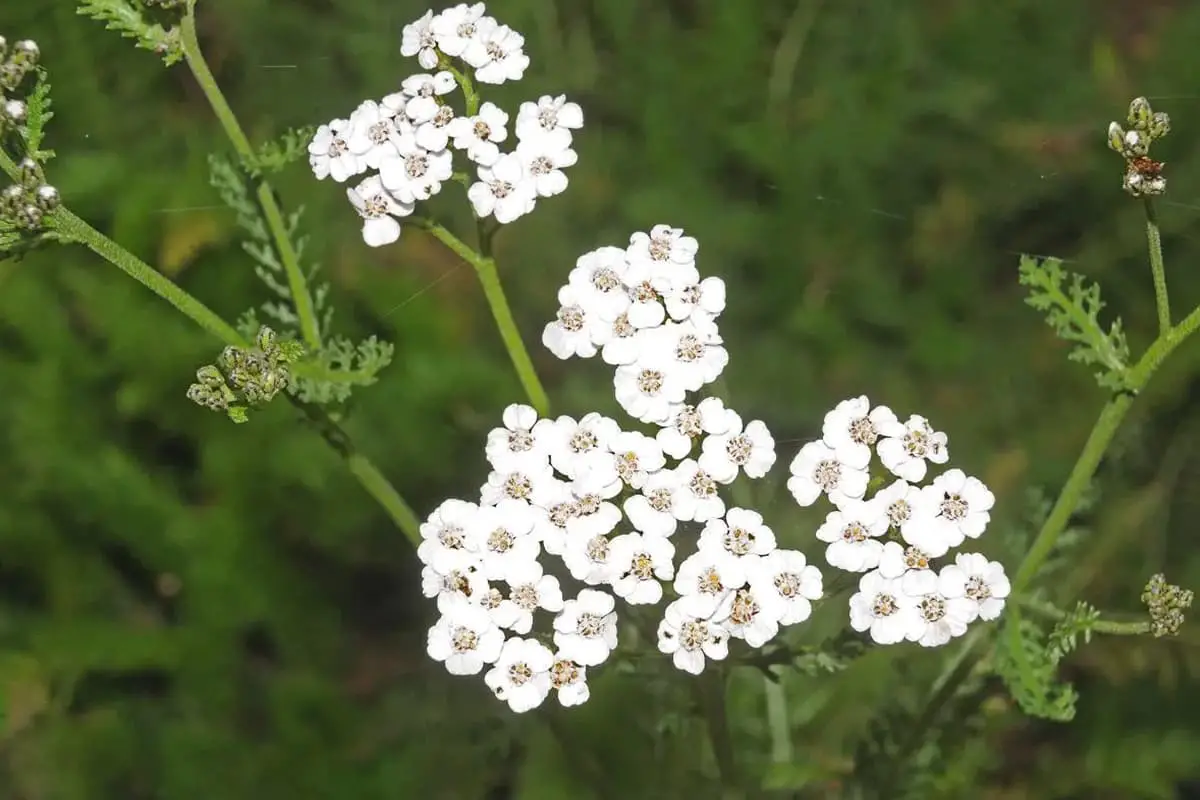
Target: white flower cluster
(558,487)
(895,535)
(409,137)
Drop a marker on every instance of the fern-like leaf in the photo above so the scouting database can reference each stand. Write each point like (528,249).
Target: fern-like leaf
(1072,307)
(341,367)
(1029,666)
(128,18)
(274,155)
(37,115)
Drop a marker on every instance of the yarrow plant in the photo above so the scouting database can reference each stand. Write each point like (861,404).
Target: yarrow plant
(591,535)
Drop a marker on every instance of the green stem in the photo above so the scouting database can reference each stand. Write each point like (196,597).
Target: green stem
(710,693)
(489,278)
(297,283)
(1161,301)
(1107,626)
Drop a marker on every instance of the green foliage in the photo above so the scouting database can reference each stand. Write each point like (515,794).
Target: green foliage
(275,154)
(37,115)
(128,17)
(1028,664)
(245,378)
(1072,308)
(1063,638)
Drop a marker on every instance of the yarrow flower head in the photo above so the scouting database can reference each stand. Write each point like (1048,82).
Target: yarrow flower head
(893,536)
(405,144)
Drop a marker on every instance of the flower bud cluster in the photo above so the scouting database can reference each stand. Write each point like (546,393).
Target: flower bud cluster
(894,536)
(16,62)
(558,487)
(409,139)
(1166,603)
(1143,175)
(245,377)
(26,202)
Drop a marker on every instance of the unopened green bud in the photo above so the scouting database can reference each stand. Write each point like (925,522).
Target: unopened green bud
(26,52)
(47,197)
(1139,113)
(29,218)
(1160,125)
(30,173)
(12,199)
(210,376)
(266,339)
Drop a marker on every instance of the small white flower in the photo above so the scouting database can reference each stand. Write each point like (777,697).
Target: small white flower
(896,560)
(742,534)
(688,423)
(903,505)
(645,308)
(558,508)
(664,257)
(747,618)
(974,577)
(699,500)
(434,133)
(595,473)
(654,510)
(417,40)
(393,106)
(456,28)
(648,391)
(517,442)
(598,279)
(704,300)
(586,629)
(478,135)
(853,427)
(569,679)
(447,538)
(960,505)
(853,530)
(751,449)
(504,533)
(785,579)
(693,354)
(817,468)
(329,153)
(549,119)
(413,173)
(595,517)
(544,164)
(881,607)
(589,559)
(503,191)
(570,334)
(371,133)
(521,676)
(690,639)
(379,210)
(570,439)
(937,618)
(636,456)
(496,53)
(620,342)
(907,447)
(464,638)
(529,482)
(423,90)
(529,590)
(705,578)
(639,563)
(459,584)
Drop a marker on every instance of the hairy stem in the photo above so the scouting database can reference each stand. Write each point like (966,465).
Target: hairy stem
(1107,626)
(297,283)
(1161,301)
(489,278)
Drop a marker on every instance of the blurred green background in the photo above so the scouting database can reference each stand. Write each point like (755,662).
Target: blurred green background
(194,610)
